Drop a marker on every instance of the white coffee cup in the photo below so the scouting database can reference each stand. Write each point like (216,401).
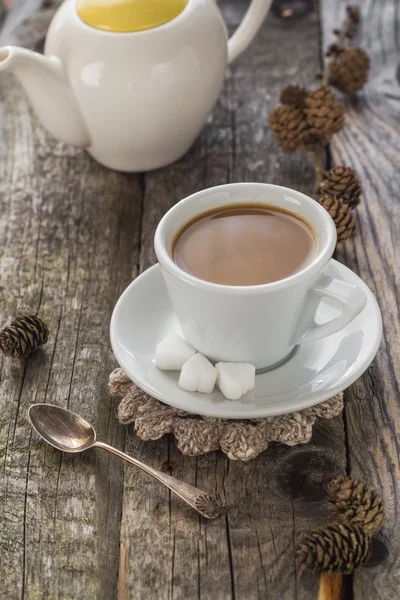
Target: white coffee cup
(259,324)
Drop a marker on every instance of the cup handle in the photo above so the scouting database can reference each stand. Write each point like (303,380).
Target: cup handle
(351,298)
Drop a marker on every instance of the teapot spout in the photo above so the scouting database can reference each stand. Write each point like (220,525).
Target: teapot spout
(49,91)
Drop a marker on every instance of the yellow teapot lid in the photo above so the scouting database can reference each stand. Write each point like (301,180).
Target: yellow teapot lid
(128,15)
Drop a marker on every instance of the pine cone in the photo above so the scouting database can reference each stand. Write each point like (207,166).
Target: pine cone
(338,547)
(349,71)
(356,503)
(293,95)
(341,214)
(342,182)
(289,127)
(353,12)
(23,336)
(324,113)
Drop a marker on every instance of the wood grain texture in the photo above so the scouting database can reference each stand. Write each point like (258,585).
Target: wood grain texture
(370,142)
(72,235)
(18,13)
(69,240)
(331,587)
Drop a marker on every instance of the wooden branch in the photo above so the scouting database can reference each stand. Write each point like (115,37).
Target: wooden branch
(331,586)
(318,165)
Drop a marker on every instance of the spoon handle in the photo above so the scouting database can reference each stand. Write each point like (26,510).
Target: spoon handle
(206,505)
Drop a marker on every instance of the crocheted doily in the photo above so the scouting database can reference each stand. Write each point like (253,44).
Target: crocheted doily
(195,435)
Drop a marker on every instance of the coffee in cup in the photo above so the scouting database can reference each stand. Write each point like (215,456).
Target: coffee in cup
(245,245)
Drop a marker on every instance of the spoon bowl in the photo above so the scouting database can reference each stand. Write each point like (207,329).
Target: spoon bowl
(61,428)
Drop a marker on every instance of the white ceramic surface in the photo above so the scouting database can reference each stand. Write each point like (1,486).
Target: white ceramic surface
(136,101)
(255,324)
(318,370)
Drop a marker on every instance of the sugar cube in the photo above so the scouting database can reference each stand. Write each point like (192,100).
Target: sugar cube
(172,353)
(235,379)
(198,375)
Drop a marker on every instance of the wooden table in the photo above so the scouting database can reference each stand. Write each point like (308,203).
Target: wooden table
(73,235)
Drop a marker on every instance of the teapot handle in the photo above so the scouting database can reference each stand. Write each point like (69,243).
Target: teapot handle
(248,28)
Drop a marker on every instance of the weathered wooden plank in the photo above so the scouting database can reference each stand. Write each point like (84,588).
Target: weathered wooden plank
(250,554)
(370,143)
(2,14)
(69,238)
(18,12)
(52,224)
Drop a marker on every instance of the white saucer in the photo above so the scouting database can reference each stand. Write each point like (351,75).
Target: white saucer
(317,371)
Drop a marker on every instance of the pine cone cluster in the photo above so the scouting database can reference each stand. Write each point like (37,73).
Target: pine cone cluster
(324,113)
(341,182)
(345,544)
(22,336)
(306,119)
(341,215)
(348,72)
(337,547)
(356,503)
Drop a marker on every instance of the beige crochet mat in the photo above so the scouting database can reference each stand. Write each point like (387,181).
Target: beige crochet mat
(195,435)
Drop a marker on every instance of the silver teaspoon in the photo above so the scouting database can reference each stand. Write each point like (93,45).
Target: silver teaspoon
(68,432)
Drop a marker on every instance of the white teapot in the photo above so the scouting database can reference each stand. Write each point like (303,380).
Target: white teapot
(132,81)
